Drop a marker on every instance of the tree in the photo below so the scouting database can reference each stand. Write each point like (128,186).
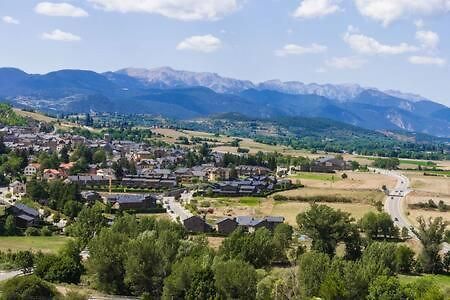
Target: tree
(202,286)
(431,234)
(10,226)
(24,261)
(374,224)
(405,233)
(99,156)
(326,227)
(446,262)
(235,279)
(65,267)
(107,252)
(145,265)
(256,248)
(385,288)
(379,259)
(404,259)
(72,208)
(64,154)
(89,222)
(312,269)
(282,238)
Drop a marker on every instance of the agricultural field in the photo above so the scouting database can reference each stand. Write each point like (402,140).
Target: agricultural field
(354,180)
(356,196)
(432,184)
(427,188)
(171,136)
(290,209)
(46,244)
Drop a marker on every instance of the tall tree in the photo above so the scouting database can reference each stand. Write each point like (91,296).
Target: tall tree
(326,227)
(431,234)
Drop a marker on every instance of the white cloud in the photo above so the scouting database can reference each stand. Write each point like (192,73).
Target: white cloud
(367,45)
(428,39)
(419,23)
(351,63)
(186,10)
(202,43)
(10,20)
(292,49)
(388,11)
(309,9)
(59,10)
(427,60)
(59,35)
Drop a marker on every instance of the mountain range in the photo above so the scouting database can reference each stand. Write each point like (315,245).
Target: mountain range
(187,95)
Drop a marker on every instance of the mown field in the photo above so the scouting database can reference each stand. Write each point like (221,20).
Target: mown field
(316,176)
(46,244)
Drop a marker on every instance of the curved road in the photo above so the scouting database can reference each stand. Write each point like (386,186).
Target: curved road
(395,201)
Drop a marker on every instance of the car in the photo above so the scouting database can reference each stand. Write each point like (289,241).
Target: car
(396,219)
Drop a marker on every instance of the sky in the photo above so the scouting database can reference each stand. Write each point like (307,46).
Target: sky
(387,44)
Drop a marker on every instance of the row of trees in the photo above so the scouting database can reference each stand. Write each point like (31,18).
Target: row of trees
(154,258)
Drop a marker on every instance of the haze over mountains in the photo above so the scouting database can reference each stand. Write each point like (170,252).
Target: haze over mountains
(182,94)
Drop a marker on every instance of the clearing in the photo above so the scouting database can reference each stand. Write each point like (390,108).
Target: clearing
(46,244)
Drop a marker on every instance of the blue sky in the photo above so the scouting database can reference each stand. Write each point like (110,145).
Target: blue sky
(389,44)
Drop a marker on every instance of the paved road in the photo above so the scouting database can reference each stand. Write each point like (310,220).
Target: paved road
(5,275)
(175,209)
(395,201)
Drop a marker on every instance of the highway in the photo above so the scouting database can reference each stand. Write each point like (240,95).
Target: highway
(395,202)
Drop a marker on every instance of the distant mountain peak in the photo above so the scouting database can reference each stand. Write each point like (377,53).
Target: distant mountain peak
(166,77)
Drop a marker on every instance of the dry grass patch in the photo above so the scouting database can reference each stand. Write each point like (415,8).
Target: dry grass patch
(354,180)
(432,184)
(357,196)
(215,242)
(419,196)
(291,209)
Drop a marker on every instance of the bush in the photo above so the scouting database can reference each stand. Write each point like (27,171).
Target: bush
(205,204)
(32,231)
(280,198)
(28,287)
(45,231)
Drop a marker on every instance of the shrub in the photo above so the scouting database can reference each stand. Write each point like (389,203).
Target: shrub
(28,287)
(280,198)
(32,231)
(45,231)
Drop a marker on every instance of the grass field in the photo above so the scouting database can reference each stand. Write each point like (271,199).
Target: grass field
(422,163)
(442,173)
(357,196)
(442,280)
(316,176)
(45,244)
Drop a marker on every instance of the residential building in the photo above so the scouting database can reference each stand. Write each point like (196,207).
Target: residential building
(196,224)
(32,169)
